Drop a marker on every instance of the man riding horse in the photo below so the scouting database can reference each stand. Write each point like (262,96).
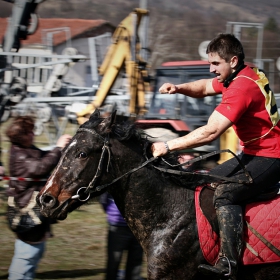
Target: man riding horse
(248,105)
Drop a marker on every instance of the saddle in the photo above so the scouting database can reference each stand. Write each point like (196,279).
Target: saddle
(261,227)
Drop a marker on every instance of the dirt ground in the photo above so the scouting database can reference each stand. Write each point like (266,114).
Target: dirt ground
(77,250)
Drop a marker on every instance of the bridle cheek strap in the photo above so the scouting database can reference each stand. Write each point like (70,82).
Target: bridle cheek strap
(105,149)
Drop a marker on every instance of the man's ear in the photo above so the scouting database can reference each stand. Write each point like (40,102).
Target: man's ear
(234,62)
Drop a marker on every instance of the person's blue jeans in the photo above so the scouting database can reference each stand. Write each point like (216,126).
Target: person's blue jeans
(25,260)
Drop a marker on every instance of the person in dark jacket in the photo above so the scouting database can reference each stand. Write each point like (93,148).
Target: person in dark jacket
(120,239)
(28,161)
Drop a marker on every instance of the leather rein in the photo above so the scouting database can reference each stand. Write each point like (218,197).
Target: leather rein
(91,188)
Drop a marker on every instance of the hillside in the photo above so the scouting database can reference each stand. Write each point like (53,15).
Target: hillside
(177,27)
(115,10)
(232,10)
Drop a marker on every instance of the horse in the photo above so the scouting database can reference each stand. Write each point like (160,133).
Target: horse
(159,207)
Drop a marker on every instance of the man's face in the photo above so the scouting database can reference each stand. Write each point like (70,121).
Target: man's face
(220,67)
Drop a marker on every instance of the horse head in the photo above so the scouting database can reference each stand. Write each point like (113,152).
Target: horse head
(81,167)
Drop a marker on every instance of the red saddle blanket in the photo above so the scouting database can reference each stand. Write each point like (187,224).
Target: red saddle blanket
(264,217)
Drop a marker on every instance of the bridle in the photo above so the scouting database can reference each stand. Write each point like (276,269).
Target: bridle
(105,150)
(91,188)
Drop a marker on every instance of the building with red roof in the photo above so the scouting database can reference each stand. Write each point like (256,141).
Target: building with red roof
(54,35)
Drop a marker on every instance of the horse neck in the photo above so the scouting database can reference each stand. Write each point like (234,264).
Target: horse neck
(126,156)
(145,198)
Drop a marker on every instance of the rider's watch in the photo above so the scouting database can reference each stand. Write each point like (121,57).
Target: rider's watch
(167,147)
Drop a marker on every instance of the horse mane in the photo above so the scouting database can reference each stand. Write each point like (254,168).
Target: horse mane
(128,131)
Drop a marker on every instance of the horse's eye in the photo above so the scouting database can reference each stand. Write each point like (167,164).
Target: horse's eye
(82,155)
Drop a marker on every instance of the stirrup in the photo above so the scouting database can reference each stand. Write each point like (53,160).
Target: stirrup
(229,265)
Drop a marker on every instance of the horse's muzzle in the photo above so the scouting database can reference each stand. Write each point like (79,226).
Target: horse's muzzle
(49,206)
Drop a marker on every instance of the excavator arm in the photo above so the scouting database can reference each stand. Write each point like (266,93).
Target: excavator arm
(123,52)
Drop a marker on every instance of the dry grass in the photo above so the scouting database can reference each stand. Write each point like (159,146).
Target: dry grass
(78,248)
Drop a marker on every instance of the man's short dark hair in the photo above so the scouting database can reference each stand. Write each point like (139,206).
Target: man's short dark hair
(226,46)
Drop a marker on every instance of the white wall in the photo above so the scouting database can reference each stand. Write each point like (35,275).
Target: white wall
(77,73)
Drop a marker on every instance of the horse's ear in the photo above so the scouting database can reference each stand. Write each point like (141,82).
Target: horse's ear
(95,114)
(113,117)
(107,123)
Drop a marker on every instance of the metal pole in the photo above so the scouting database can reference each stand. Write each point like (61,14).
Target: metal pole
(143,31)
(237,31)
(260,43)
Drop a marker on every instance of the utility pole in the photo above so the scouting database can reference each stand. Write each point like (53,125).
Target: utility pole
(143,31)
(235,28)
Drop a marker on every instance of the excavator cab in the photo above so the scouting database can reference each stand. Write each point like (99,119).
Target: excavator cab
(195,112)
(175,109)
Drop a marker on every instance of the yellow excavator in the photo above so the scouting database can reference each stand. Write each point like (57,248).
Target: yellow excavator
(124,52)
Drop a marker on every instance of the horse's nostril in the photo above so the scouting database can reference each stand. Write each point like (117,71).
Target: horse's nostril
(48,200)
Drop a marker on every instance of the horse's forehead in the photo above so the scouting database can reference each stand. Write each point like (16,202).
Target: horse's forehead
(86,136)
(83,139)
(72,144)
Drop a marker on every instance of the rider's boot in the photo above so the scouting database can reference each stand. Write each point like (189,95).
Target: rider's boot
(230,219)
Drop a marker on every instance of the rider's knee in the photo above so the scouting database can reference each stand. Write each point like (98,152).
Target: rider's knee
(222,197)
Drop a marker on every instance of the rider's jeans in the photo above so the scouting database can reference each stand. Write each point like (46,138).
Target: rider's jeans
(25,260)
